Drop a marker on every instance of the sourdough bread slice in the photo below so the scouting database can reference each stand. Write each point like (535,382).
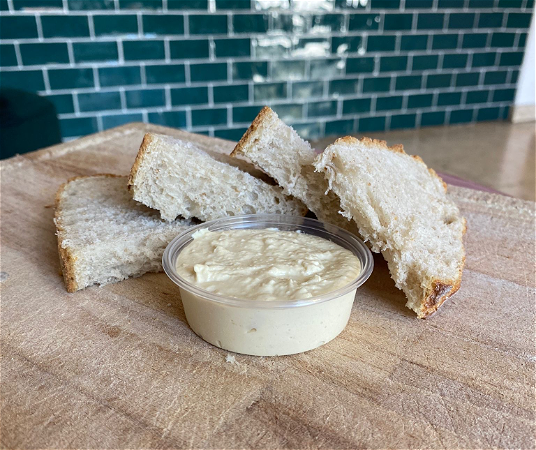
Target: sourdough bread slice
(278,150)
(104,236)
(400,207)
(178,179)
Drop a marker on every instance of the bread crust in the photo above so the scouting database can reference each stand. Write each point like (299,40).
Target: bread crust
(264,114)
(437,290)
(145,143)
(67,258)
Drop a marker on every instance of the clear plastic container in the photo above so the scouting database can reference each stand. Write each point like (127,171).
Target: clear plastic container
(268,328)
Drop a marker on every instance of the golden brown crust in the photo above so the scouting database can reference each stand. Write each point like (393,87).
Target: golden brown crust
(67,258)
(145,143)
(257,122)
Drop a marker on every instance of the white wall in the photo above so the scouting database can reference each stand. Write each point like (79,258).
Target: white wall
(525,88)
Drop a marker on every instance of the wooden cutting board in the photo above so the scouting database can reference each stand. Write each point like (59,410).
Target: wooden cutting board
(118,366)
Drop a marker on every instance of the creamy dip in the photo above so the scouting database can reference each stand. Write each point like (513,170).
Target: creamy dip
(267,264)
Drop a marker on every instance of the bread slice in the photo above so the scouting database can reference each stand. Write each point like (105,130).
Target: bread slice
(278,150)
(400,207)
(179,179)
(104,236)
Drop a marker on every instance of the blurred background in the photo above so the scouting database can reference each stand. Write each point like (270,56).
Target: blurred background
(327,67)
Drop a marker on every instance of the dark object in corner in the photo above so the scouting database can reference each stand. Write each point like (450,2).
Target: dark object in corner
(27,123)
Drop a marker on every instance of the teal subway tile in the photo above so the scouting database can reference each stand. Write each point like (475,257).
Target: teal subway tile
(346,44)
(425,62)
(495,77)
(78,127)
(381,43)
(188,4)
(213,116)
(439,80)
(208,24)
(359,65)
(27,80)
(377,123)
(232,47)
(432,118)
(522,40)
(44,53)
(250,23)
(454,61)
(89,5)
(482,3)
(391,103)
(145,98)
(349,5)
(407,82)
(292,111)
(488,113)
(203,132)
(163,24)
(480,96)
(208,72)
(143,50)
(115,120)
(511,59)
(364,22)
(393,63)
(176,119)
(485,59)
(402,121)
(474,40)
(245,114)
(70,78)
(358,105)
(274,47)
(3,5)
(256,71)
(65,26)
(384,4)
(467,79)
(25,4)
(420,101)
(430,21)
(307,89)
(191,49)
(165,73)
(505,113)
(444,41)
(518,20)
(189,96)
(140,4)
(396,22)
(8,57)
(231,93)
(231,134)
(414,42)
(419,4)
(308,130)
(514,77)
(510,4)
(326,68)
(17,27)
(233,4)
(449,98)
(449,4)
(376,84)
(322,109)
(461,21)
(119,76)
(113,25)
(97,101)
(342,87)
(326,23)
(490,20)
(268,91)
(284,24)
(460,116)
(95,51)
(503,39)
(339,127)
(504,95)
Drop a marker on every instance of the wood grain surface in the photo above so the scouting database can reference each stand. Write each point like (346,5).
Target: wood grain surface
(118,366)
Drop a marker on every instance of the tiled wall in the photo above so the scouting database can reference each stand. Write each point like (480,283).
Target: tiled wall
(326,66)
